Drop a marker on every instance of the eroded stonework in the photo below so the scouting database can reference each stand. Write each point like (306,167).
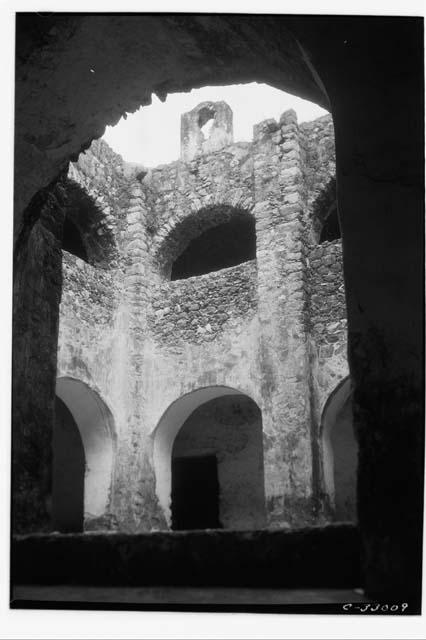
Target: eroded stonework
(272,328)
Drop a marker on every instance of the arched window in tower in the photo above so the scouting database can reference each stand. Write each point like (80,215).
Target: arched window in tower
(325,218)
(86,232)
(331,228)
(225,245)
(206,121)
(72,240)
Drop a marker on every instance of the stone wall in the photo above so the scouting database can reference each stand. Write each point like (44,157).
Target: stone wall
(328,305)
(89,305)
(107,181)
(91,293)
(319,171)
(36,295)
(380,173)
(196,309)
(143,342)
(328,316)
(205,189)
(88,293)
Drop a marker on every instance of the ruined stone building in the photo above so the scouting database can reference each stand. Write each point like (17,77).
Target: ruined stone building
(183,399)
(189,321)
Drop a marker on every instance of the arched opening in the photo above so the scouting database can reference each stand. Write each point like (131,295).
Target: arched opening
(86,231)
(83,451)
(331,228)
(340,453)
(208,461)
(225,245)
(68,472)
(209,239)
(206,121)
(72,240)
(325,219)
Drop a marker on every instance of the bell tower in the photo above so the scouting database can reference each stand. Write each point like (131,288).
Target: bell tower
(205,129)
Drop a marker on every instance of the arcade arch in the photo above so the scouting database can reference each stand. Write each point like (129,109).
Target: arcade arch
(340,452)
(208,449)
(84,437)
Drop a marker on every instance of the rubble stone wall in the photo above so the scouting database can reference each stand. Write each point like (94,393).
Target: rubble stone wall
(196,309)
(328,317)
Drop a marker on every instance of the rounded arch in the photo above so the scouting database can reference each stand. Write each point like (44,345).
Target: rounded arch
(340,451)
(96,428)
(187,230)
(325,218)
(86,231)
(179,414)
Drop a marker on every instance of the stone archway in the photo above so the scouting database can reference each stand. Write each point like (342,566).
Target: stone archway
(191,233)
(83,416)
(380,173)
(340,452)
(212,431)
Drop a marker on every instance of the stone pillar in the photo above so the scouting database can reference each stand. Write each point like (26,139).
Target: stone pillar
(284,357)
(379,149)
(36,297)
(135,501)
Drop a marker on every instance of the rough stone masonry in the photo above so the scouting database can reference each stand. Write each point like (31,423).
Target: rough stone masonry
(253,349)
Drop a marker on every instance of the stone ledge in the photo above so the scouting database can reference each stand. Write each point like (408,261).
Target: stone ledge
(313,557)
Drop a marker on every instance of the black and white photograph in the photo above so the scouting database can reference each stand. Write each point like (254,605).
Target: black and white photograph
(216,397)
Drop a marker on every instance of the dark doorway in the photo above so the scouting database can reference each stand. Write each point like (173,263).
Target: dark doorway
(195,493)
(68,472)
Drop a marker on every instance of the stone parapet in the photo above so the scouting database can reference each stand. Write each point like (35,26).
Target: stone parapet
(196,310)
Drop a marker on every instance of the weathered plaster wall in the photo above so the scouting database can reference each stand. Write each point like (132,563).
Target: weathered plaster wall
(231,428)
(91,314)
(284,362)
(97,310)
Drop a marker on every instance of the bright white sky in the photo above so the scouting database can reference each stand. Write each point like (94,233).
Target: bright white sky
(151,136)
